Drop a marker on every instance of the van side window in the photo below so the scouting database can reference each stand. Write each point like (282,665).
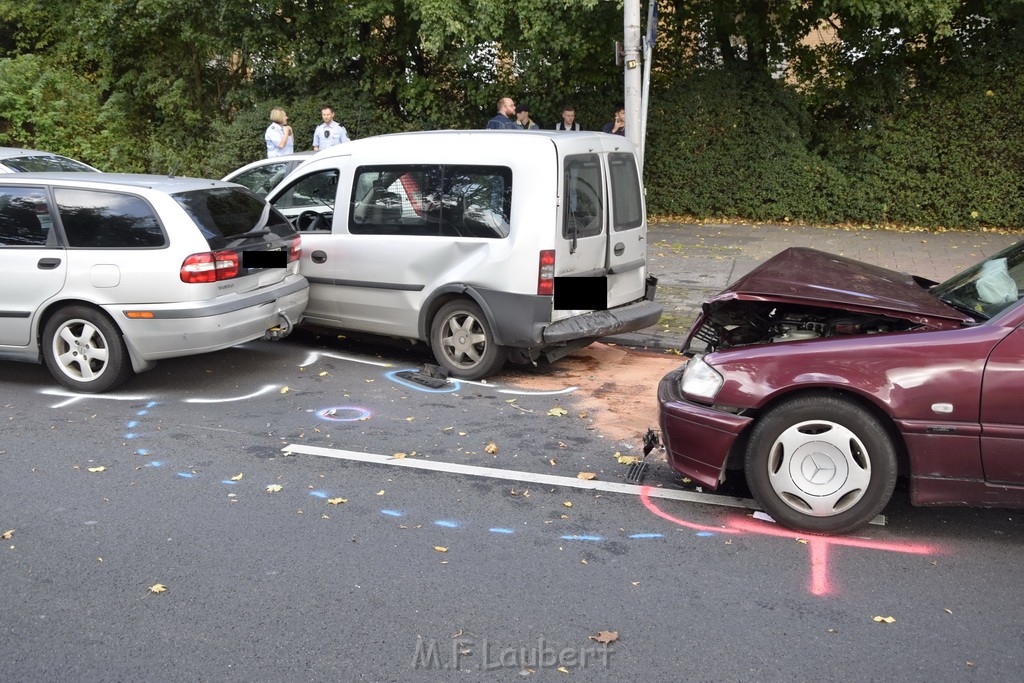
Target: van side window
(93,219)
(583,206)
(431,201)
(316,191)
(627,202)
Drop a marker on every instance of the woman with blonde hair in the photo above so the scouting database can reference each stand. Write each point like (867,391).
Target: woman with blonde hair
(279,136)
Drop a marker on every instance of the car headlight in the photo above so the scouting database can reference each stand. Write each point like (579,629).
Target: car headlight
(700,379)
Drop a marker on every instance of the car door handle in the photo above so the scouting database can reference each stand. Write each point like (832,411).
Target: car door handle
(619,248)
(48,263)
(318,256)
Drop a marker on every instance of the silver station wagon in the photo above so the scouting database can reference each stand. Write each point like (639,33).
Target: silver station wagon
(103,274)
(490,246)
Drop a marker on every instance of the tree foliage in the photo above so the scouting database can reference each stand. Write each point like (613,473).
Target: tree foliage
(860,110)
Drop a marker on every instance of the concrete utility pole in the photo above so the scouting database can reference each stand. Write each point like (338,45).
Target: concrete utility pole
(632,78)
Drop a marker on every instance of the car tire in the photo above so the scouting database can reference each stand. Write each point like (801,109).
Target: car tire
(463,342)
(85,351)
(820,463)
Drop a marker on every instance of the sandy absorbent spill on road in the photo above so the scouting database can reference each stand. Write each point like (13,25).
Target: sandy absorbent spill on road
(617,386)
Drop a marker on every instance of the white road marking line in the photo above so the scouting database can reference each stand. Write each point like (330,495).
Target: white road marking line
(515,475)
(264,390)
(314,356)
(73,397)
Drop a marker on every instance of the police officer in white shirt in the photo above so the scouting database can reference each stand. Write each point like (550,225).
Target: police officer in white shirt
(328,133)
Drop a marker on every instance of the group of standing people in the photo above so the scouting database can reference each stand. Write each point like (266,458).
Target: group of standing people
(280,137)
(511,117)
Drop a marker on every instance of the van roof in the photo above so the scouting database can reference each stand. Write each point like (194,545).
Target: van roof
(499,142)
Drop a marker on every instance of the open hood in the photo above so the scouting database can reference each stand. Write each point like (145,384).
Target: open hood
(808,276)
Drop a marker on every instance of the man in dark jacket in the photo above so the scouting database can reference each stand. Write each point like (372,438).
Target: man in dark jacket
(503,120)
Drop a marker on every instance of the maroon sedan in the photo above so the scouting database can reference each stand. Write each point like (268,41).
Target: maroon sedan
(822,378)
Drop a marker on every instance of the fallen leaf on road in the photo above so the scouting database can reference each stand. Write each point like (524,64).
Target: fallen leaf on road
(323,374)
(158,588)
(558,411)
(440,549)
(237,477)
(562,669)
(97,469)
(626,459)
(947,611)
(285,390)
(8,535)
(337,501)
(884,620)
(274,488)
(399,455)
(381,492)
(552,462)
(587,475)
(605,637)
(491,448)
(567,504)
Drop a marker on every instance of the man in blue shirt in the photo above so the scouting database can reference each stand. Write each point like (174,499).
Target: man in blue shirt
(618,126)
(328,133)
(502,120)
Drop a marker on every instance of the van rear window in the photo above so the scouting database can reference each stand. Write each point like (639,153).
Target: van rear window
(583,212)
(627,202)
(432,201)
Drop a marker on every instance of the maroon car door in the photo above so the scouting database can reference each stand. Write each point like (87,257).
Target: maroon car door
(1002,412)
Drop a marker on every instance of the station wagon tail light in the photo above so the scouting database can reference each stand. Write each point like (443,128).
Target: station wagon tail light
(546,273)
(210,266)
(295,252)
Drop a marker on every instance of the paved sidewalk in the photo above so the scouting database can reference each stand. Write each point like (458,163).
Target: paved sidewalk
(693,262)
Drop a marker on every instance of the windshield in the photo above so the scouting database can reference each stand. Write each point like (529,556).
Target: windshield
(46,164)
(988,288)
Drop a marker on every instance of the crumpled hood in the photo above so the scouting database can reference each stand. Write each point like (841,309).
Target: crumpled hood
(802,275)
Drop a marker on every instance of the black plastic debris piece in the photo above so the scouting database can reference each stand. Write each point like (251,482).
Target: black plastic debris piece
(433,376)
(651,441)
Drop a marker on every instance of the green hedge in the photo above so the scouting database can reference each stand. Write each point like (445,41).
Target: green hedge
(736,144)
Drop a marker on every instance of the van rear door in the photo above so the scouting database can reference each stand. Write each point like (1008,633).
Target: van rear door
(627,235)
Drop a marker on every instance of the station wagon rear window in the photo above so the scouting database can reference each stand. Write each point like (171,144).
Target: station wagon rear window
(225,214)
(432,200)
(24,218)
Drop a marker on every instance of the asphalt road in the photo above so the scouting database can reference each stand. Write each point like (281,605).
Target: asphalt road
(384,572)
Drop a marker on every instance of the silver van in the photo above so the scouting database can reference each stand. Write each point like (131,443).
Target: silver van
(487,245)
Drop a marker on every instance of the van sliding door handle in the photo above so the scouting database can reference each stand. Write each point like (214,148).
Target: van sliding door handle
(619,248)
(318,256)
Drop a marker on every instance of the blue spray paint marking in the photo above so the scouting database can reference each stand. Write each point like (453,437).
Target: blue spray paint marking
(391,513)
(152,404)
(447,523)
(142,451)
(344,414)
(704,534)
(575,537)
(647,535)
(133,424)
(499,530)
(130,436)
(228,482)
(186,475)
(154,463)
(453,385)
(142,412)
(319,494)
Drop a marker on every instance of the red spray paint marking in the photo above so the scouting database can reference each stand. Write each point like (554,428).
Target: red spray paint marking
(818,545)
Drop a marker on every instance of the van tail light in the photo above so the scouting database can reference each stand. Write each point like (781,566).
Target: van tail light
(546,273)
(295,252)
(210,266)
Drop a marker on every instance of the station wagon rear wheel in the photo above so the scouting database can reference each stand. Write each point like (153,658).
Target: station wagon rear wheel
(820,463)
(84,350)
(462,341)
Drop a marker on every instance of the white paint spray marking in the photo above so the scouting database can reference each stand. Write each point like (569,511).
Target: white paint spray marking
(74,398)
(555,392)
(267,388)
(314,356)
(516,475)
